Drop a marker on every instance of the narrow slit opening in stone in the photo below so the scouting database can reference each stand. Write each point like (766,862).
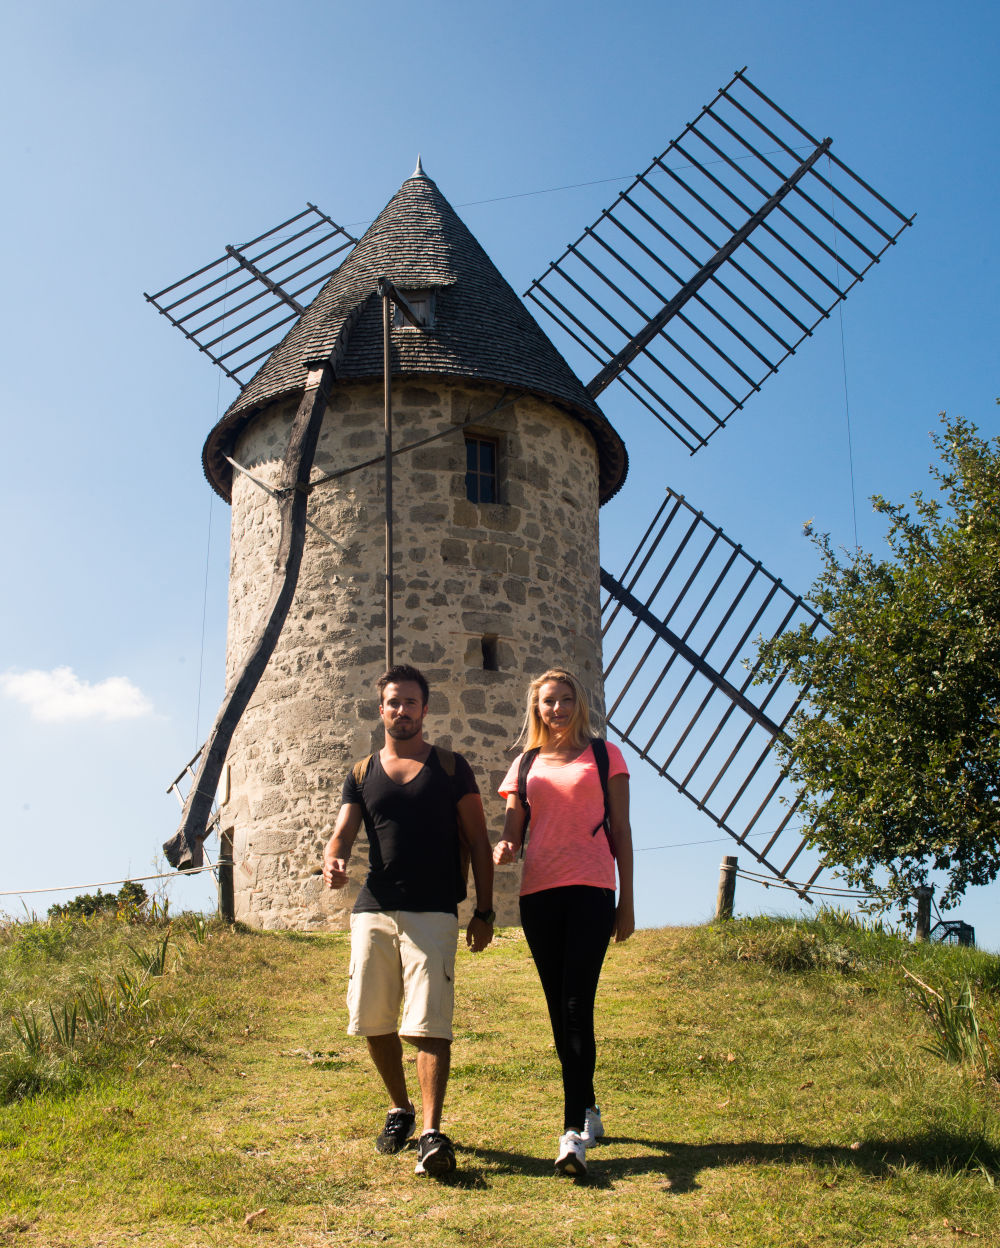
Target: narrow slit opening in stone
(491,662)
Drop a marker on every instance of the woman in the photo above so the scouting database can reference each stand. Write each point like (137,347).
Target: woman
(568,907)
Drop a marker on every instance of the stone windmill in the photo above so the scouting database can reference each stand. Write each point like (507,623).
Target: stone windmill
(450,467)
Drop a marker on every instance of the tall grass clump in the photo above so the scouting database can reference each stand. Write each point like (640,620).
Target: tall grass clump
(78,994)
(960,1036)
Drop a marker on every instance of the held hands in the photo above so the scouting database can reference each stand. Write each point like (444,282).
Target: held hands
(504,851)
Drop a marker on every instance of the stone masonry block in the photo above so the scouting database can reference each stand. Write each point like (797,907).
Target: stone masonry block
(416,396)
(489,557)
(464,514)
(455,552)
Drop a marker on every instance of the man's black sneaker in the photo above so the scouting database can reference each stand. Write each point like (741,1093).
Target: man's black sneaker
(435,1154)
(399,1126)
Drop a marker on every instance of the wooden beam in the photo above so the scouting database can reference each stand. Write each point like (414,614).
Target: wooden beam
(184,849)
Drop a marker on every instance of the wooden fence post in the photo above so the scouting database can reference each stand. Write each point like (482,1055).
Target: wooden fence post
(923,894)
(227,905)
(727,888)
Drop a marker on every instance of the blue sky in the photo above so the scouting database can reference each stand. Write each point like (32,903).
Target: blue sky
(140,138)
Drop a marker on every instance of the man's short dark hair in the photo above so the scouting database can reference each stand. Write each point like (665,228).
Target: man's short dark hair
(400,672)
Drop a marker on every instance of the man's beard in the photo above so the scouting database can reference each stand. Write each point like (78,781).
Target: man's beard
(403,731)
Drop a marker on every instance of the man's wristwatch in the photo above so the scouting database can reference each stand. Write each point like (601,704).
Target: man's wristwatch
(487,916)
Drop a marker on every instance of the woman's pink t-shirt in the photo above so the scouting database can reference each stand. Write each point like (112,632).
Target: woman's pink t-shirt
(566,805)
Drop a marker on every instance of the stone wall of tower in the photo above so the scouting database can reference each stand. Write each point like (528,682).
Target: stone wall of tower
(524,571)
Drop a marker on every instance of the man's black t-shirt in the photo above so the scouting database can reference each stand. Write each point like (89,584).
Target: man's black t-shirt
(413,839)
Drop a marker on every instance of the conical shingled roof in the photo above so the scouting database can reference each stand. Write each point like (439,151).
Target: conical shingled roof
(482,332)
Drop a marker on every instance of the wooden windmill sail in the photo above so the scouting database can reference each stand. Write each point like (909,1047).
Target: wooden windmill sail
(690,290)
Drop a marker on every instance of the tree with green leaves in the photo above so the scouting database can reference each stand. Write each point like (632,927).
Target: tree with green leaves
(896,752)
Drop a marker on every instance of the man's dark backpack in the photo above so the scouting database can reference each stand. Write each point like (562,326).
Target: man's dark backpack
(600,749)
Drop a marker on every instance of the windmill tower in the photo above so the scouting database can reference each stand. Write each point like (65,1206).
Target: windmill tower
(495,539)
(701,279)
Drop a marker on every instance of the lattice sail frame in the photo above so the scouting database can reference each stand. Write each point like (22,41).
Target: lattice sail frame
(679,629)
(714,265)
(207,305)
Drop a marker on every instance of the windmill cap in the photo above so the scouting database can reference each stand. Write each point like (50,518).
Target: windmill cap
(482,333)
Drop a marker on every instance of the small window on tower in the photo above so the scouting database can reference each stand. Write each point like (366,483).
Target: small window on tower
(491,655)
(481,457)
(422,303)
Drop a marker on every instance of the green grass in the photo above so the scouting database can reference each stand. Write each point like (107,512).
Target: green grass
(763,1083)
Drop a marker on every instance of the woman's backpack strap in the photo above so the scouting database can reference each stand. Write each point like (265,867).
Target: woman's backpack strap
(523,767)
(600,748)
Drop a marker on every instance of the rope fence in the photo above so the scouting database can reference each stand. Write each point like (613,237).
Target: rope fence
(922,899)
(819,890)
(724,904)
(167,875)
(714,840)
(727,884)
(730,869)
(132,879)
(763,880)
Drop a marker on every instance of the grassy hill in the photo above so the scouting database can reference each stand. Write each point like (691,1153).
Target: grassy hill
(762,1083)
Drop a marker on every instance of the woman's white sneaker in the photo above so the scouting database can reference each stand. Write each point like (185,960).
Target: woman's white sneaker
(593,1128)
(572,1159)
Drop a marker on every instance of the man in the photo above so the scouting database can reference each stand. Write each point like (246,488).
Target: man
(420,807)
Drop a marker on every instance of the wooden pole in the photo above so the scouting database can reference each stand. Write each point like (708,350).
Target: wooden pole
(923,893)
(727,888)
(227,903)
(387,369)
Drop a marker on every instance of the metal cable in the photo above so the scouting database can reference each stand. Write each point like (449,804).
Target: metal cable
(812,888)
(135,879)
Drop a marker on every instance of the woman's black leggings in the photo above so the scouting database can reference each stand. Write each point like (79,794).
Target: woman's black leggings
(568,930)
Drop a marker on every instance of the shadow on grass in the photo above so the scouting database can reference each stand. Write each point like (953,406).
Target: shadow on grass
(476,1166)
(680,1164)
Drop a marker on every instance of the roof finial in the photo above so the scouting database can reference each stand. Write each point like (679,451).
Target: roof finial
(419,171)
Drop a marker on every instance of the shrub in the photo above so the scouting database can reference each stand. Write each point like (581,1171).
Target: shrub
(831,941)
(128,904)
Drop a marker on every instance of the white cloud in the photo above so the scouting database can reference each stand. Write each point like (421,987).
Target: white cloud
(60,696)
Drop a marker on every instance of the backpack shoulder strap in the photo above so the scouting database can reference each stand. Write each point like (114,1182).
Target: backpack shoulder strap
(523,767)
(361,769)
(600,748)
(447,760)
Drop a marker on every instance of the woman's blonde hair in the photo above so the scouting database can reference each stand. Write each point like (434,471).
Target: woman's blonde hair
(533,731)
